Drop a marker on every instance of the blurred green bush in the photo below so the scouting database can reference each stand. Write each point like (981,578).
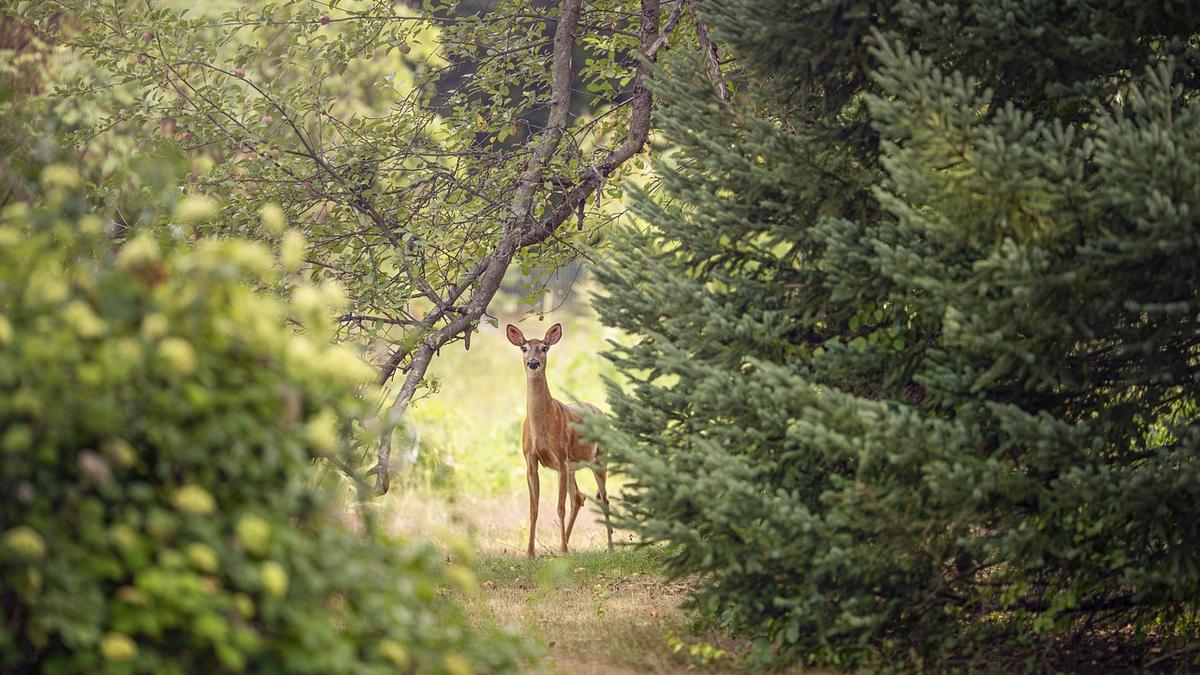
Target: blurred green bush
(158,424)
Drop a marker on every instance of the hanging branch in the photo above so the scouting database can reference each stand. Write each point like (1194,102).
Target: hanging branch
(519,231)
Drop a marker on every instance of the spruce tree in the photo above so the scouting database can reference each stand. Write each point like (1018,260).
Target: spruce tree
(918,322)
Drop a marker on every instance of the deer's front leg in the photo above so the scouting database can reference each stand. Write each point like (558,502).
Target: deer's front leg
(564,477)
(531,478)
(575,500)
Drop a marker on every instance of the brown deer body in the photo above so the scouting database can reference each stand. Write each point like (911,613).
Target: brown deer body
(549,438)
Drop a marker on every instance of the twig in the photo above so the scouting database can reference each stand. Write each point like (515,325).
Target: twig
(710,51)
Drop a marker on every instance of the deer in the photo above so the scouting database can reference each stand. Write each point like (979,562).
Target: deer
(549,438)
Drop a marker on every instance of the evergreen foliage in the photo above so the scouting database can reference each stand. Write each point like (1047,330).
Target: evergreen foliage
(919,319)
(159,419)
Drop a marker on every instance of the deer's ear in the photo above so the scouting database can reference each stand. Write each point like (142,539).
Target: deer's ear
(514,334)
(554,334)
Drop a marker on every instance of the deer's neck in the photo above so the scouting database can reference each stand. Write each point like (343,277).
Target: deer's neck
(539,405)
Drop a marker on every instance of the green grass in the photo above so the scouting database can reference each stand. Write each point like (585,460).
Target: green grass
(576,569)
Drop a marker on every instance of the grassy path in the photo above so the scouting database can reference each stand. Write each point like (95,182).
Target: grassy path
(596,612)
(592,611)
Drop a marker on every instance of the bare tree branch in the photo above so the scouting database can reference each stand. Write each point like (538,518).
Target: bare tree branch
(710,51)
(664,38)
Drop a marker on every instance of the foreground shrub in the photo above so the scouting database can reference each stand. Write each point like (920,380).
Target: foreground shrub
(158,425)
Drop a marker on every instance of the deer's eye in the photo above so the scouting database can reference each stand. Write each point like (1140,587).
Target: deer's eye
(524,348)
(545,349)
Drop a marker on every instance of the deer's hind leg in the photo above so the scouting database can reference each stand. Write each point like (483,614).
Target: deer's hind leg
(602,495)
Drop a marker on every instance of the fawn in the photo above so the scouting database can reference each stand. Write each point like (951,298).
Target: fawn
(549,437)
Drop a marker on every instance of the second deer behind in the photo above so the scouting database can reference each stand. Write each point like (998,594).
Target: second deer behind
(549,438)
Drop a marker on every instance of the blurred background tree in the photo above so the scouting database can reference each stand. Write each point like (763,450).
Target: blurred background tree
(919,357)
(422,151)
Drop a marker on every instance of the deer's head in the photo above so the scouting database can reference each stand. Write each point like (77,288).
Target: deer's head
(534,352)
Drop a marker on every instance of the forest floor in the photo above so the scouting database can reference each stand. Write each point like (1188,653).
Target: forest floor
(592,611)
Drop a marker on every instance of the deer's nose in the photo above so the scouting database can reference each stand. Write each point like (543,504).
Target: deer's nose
(534,364)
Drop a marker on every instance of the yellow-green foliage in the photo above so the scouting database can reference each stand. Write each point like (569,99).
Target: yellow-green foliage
(158,425)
